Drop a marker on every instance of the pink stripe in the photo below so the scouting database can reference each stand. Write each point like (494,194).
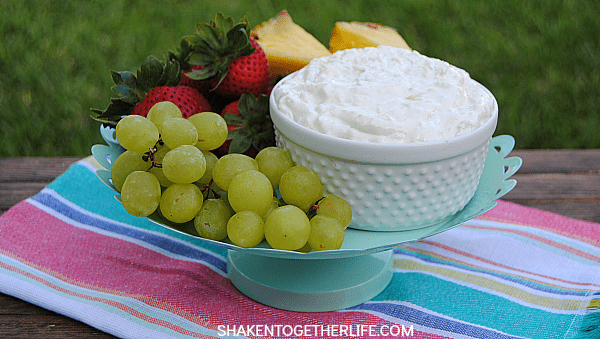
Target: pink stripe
(508,212)
(111,265)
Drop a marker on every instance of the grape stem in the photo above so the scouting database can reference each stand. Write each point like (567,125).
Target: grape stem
(208,192)
(149,156)
(312,211)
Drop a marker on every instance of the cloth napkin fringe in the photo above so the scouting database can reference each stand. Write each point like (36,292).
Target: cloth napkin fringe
(590,323)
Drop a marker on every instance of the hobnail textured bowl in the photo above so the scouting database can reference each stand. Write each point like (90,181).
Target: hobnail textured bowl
(391,187)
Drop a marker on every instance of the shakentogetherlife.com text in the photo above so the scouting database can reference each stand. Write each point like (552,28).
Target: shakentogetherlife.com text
(316,331)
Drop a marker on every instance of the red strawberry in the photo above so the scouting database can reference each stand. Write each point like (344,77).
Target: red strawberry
(233,62)
(133,88)
(249,124)
(247,73)
(200,86)
(189,100)
(232,108)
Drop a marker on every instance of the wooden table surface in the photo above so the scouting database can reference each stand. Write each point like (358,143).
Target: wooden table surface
(566,182)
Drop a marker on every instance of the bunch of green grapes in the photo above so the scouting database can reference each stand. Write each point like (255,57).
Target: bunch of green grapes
(167,162)
(169,167)
(307,219)
(302,220)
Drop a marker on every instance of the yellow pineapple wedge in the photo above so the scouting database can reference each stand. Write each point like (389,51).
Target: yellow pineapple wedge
(363,34)
(288,46)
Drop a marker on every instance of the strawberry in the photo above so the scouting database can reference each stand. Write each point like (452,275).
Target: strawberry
(155,81)
(247,73)
(232,108)
(232,62)
(189,100)
(200,86)
(249,124)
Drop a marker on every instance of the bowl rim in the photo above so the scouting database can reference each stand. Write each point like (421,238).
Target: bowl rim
(382,153)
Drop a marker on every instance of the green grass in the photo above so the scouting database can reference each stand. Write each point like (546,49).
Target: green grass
(539,58)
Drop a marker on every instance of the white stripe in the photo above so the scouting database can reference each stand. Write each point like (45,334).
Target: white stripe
(585,274)
(571,242)
(89,166)
(516,255)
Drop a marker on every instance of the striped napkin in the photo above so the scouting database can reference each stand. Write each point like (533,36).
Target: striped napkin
(514,272)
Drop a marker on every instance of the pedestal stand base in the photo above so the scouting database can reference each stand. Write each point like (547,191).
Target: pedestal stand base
(317,285)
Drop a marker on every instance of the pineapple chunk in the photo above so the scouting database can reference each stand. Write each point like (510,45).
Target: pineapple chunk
(288,46)
(363,34)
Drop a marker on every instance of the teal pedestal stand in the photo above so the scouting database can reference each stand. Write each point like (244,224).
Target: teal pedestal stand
(330,280)
(318,285)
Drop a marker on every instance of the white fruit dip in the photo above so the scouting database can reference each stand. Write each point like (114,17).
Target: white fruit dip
(384,95)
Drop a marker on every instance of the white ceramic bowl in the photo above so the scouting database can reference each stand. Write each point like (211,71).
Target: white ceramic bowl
(391,187)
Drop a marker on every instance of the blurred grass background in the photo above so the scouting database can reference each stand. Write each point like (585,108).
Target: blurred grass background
(540,58)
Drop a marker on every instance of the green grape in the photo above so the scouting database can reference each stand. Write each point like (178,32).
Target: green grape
(158,171)
(136,133)
(181,202)
(301,187)
(212,130)
(161,112)
(336,207)
(184,164)
(326,233)
(229,165)
(304,249)
(178,131)
(126,163)
(250,191)
(211,221)
(246,229)
(211,160)
(273,162)
(287,228)
(140,194)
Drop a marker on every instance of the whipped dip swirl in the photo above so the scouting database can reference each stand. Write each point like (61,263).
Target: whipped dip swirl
(384,95)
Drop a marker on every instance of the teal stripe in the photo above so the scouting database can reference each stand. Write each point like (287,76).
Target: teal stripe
(589,327)
(81,187)
(475,307)
(129,302)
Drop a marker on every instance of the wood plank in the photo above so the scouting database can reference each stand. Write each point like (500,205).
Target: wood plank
(576,209)
(10,305)
(49,327)
(558,161)
(22,320)
(553,186)
(13,192)
(33,169)
(534,161)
